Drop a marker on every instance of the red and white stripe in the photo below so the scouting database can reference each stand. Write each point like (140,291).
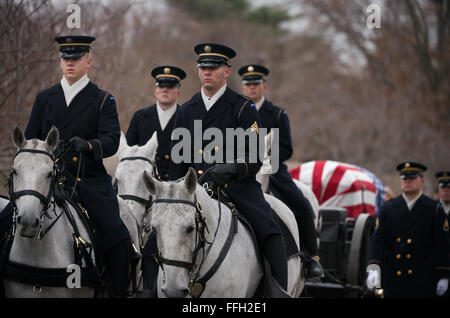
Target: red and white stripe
(337,184)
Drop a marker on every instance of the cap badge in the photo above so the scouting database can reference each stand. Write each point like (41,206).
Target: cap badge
(250,68)
(69,40)
(207,49)
(407,165)
(167,70)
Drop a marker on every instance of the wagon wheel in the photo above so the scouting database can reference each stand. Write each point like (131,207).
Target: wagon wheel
(359,249)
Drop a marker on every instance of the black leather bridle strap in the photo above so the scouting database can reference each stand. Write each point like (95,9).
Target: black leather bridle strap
(145,202)
(137,158)
(40,196)
(36,151)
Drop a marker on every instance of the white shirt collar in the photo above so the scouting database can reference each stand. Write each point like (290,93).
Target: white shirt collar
(164,116)
(446,207)
(70,91)
(209,101)
(410,203)
(260,103)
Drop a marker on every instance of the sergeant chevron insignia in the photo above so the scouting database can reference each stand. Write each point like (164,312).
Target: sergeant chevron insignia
(254,127)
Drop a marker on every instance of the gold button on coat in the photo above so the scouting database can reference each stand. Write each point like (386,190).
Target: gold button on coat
(200,172)
(409,271)
(399,240)
(399,273)
(166,157)
(398,256)
(408,241)
(200,151)
(74,159)
(166,175)
(408,256)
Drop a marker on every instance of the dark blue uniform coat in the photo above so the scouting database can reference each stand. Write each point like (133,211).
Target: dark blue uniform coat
(231,110)
(142,126)
(411,247)
(281,183)
(84,119)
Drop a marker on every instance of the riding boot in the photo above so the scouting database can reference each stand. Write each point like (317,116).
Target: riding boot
(275,253)
(149,267)
(117,264)
(308,244)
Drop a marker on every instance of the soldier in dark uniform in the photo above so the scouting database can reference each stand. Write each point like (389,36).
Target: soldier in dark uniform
(409,245)
(218,106)
(281,183)
(159,117)
(87,119)
(443,179)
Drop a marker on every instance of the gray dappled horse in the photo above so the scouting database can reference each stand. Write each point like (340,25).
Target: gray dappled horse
(44,234)
(205,251)
(129,181)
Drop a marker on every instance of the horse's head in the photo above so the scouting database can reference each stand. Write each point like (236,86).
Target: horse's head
(31,178)
(178,223)
(129,182)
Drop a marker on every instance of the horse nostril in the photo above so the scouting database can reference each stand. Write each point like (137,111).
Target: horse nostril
(36,223)
(19,219)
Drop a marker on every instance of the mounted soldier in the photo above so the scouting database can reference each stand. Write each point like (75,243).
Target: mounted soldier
(159,117)
(89,130)
(281,183)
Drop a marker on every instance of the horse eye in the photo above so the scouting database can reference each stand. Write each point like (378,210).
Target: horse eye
(14,171)
(190,229)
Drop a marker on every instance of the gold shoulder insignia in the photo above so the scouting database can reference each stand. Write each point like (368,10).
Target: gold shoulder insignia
(254,127)
(377,223)
(445,226)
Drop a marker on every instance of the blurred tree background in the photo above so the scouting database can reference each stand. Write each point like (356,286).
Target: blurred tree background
(371,97)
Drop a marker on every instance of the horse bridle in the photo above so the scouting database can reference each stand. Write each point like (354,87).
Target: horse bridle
(200,227)
(146,202)
(45,200)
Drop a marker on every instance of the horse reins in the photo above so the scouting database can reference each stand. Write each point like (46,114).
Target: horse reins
(197,284)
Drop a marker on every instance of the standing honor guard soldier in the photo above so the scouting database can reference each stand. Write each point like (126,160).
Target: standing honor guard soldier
(218,106)
(443,179)
(87,120)
(409,245)
(281,183)
(159,117)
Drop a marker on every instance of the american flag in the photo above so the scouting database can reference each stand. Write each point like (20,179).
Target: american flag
(337,184)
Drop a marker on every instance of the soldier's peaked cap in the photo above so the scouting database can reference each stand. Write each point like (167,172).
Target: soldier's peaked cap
(167,74)
(213,54)
(443,177)
(410,167)
(253,73)
(74,46)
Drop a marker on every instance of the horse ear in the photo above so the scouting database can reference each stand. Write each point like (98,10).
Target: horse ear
(190,181)
(52,137)
(151,145)
(123,144)
(151,184)
(18,137)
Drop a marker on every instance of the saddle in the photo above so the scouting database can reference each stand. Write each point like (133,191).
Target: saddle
(291,246)
(268,287)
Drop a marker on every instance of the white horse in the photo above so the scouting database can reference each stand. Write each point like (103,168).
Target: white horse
(129,182)
(44,232)
(201,253)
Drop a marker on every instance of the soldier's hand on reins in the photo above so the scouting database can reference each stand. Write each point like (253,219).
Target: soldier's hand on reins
(80,145)
(224,173)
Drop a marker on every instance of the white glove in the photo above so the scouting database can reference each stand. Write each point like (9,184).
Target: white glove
(442,286)
(373,277)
